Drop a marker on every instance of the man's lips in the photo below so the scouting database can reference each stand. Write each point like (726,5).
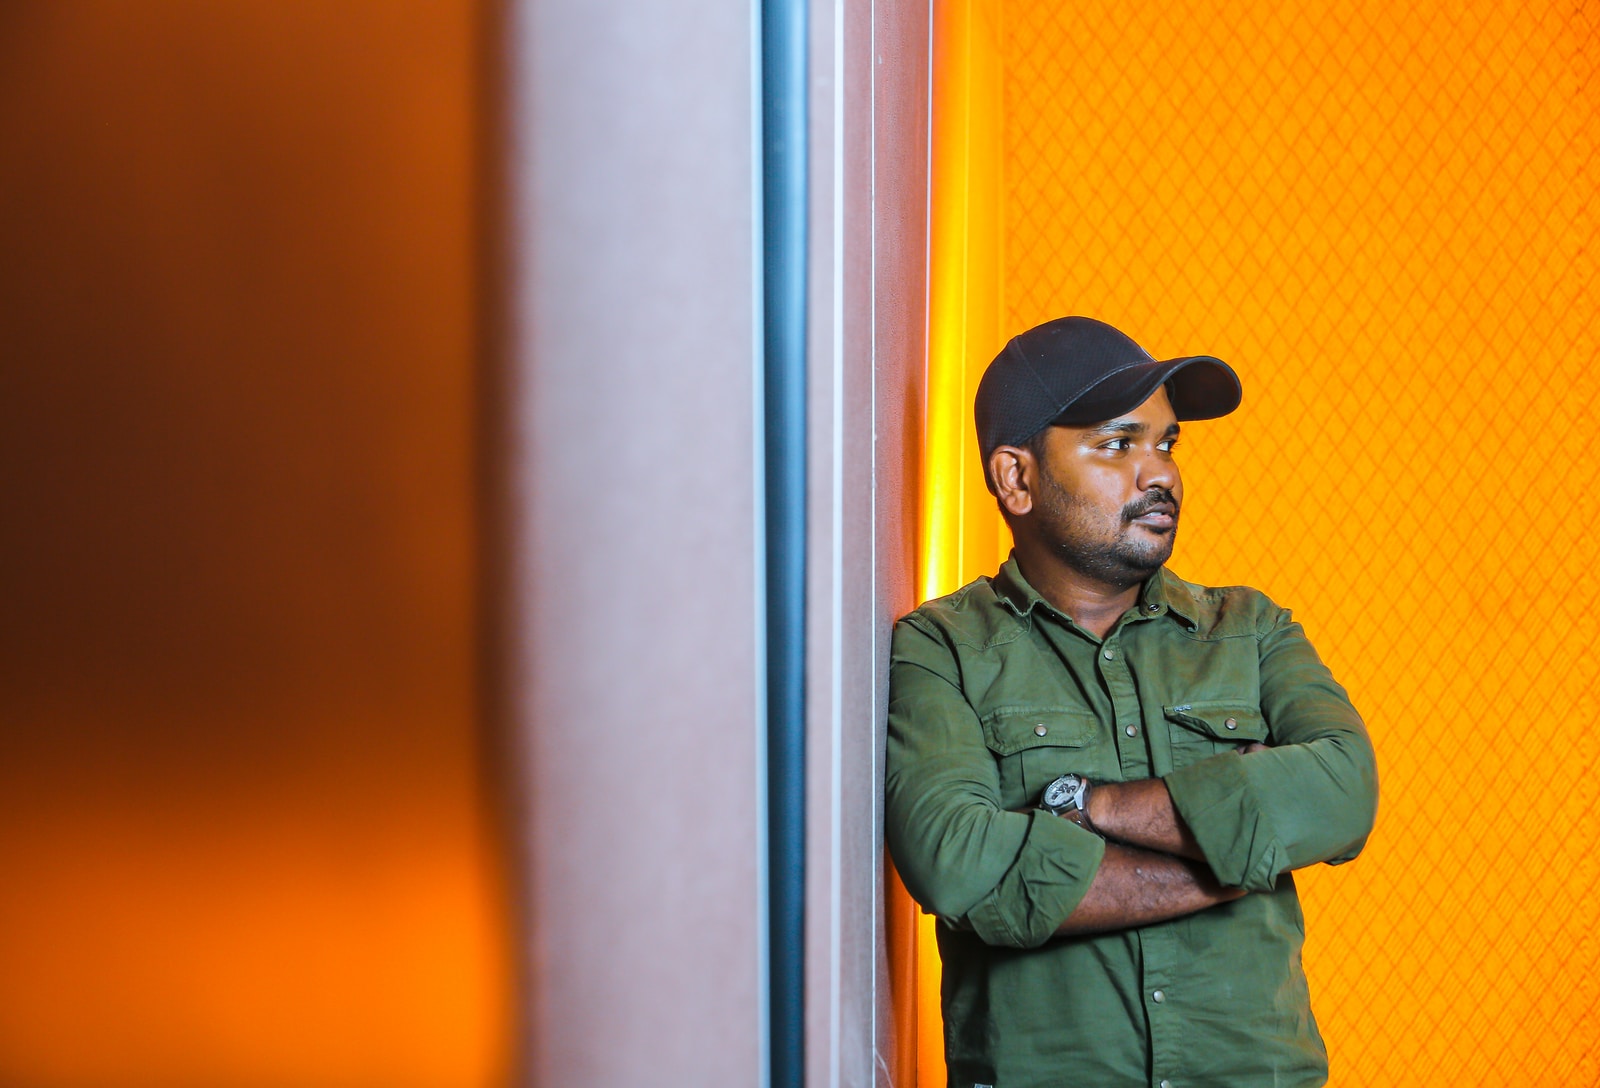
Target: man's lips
(1163,515)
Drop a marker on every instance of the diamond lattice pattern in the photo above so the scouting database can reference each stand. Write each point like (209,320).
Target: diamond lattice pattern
(1380,214)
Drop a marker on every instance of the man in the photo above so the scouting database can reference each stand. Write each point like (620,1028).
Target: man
(1100,776)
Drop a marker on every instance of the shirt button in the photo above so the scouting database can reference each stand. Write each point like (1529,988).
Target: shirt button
(1232,723)
(1132,730)
(1166,1084)
(1108,653)
(1159,996)
(1154,607)
(1039,730)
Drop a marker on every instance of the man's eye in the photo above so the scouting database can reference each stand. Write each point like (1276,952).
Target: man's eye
(1118,444)
(1167,445)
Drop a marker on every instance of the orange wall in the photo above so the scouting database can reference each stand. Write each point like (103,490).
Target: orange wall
(1382,217)
(243,819)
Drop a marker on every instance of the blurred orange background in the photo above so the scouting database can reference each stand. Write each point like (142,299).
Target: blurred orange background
(243,815)
(1382,216)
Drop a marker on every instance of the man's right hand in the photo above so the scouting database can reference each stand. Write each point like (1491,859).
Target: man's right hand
(1136,887)
(1141,813)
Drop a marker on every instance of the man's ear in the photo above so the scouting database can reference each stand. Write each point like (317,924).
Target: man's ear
(1012,470)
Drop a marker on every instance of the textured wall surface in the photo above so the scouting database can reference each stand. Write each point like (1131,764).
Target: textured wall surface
(1382,217)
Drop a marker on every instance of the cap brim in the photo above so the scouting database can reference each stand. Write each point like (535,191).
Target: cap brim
(1202,387)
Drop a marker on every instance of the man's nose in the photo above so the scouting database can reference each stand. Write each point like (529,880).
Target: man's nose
(1156,469)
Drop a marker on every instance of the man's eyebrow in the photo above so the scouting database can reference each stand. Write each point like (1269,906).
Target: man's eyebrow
(1116,426)
(1130,427)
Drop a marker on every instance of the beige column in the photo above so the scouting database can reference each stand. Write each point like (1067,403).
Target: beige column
(634,667)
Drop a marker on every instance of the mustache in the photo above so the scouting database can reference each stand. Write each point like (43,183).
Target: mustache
(1156,496)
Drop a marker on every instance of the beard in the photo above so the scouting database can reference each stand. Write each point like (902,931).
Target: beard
(1084,539)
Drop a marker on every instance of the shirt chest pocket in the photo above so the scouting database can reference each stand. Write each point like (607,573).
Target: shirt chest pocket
(1203,729)
(1033,746)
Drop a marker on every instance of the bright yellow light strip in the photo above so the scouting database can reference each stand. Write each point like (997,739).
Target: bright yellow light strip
(959,539)
(961,532)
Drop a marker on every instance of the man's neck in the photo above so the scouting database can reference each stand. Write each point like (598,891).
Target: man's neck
(1093,605)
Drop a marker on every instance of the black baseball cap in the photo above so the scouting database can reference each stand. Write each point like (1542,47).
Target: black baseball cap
(1076,371)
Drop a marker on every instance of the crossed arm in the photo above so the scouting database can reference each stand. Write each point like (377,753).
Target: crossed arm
(1153,868)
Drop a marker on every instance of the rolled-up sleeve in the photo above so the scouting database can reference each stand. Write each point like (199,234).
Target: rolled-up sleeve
(1013,877)
(1312,796)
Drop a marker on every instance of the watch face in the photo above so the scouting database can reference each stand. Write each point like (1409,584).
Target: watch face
(1060,791)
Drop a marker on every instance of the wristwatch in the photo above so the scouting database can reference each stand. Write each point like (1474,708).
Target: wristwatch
(1068,796)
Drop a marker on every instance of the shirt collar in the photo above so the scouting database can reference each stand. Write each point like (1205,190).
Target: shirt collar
(1162,592)
(1014,591)
(1166,592)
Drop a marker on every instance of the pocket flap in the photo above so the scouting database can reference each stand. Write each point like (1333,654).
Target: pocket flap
(1220,720)
(1008,730)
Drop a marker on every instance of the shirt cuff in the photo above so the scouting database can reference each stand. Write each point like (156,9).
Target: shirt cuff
(1218,803)
(1045,883)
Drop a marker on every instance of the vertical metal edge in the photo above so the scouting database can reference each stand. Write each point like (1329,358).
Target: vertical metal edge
(784,33)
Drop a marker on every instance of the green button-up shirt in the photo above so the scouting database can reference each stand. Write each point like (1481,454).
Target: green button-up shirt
(992,694)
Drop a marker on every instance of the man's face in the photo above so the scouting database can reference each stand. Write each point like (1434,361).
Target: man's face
(1108,496)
